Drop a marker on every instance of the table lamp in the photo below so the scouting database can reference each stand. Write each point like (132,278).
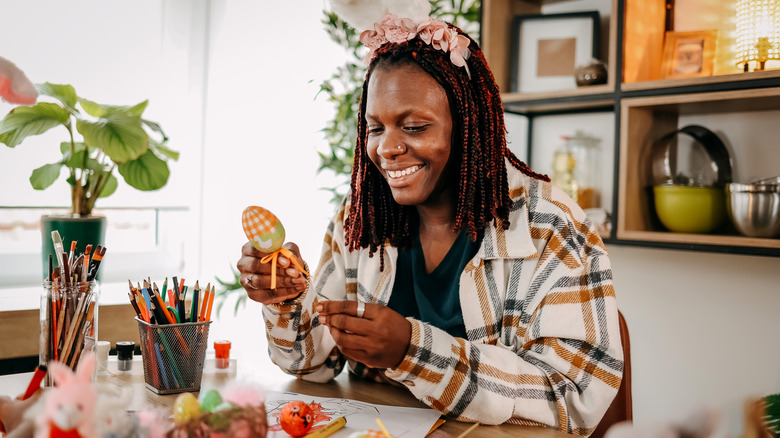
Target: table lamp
(758,33)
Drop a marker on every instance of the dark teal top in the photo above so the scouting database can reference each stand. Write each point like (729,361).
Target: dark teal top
(432,298)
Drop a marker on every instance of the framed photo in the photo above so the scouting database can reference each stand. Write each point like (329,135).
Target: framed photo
(688,54)
(546,49)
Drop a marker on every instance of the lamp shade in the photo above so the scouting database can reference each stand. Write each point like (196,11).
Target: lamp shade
(758,33)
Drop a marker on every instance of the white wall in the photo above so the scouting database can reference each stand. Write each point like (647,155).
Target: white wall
(266,62)
(704,328)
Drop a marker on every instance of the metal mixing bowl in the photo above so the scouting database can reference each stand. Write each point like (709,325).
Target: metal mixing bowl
(754,208)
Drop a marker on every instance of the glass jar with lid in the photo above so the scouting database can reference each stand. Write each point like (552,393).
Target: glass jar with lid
(575,169)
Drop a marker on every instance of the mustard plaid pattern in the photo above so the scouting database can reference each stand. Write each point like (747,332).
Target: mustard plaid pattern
(539,308)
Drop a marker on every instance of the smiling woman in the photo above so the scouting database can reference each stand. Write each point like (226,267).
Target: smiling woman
(487,275)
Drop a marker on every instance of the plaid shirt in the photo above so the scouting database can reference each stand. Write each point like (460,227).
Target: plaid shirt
(539,308)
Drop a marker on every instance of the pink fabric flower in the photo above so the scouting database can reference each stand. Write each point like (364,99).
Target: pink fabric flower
(14,86)
(435,33)
(459,50)
(398,30)
(431,30)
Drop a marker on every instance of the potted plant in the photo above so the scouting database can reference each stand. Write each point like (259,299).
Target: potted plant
(98,140)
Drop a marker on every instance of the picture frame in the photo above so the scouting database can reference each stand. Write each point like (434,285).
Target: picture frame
(546,48)
(688,54)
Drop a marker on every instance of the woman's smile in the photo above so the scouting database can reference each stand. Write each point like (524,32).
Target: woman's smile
(396,176)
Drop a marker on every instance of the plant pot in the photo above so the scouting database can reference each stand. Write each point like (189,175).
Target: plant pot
(84,230)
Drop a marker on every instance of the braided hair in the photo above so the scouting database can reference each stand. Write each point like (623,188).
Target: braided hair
(375,219)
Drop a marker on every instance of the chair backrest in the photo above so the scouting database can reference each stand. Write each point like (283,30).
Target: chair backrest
(621,408)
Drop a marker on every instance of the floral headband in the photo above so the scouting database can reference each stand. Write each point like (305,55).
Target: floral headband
(398,21)
(433,32)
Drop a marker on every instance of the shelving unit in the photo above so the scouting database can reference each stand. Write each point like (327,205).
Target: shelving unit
(645,107)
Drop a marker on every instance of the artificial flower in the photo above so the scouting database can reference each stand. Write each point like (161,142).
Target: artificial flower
(433,32)
(15,88)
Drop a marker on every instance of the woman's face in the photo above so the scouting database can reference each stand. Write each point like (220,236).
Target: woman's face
(410,133)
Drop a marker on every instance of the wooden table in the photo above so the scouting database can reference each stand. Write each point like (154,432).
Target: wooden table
(344,386)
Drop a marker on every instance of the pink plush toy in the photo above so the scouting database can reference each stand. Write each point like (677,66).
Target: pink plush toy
(70,405)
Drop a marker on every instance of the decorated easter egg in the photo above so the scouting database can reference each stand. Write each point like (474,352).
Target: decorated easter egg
(210,400)
(296,418)
(263,229)
(185,407)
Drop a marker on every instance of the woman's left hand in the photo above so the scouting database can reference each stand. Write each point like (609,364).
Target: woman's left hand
(379,339)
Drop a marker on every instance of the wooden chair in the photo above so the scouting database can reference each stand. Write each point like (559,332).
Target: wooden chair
(621,408)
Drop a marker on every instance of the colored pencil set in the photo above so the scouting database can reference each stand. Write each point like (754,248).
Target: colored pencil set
(69,304)
(173,341)
(169,306)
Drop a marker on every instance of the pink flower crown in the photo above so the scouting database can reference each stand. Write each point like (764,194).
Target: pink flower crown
(433,32)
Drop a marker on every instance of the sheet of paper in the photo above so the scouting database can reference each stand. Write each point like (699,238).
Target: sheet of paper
(399,421)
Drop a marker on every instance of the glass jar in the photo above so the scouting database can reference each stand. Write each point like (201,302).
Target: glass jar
(68,322)
(576,169)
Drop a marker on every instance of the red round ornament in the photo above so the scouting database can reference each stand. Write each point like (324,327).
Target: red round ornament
(296,418)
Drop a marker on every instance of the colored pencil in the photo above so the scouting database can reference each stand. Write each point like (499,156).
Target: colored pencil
(194,309)
(211,302)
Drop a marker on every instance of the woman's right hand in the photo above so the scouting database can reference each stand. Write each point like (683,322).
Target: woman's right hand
(256,276)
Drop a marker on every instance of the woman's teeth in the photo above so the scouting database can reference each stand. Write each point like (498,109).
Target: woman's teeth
(400,173)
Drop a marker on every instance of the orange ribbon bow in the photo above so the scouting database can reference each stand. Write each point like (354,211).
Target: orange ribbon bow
(275,255)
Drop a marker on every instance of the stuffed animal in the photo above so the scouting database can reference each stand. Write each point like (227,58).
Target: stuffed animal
(70,405)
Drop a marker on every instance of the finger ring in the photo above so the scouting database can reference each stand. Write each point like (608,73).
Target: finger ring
(361,309)
(248,281)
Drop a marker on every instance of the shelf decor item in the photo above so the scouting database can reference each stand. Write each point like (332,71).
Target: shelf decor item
(688,54)
(688,188)
(758,33)
(594,73)
(546,48)
(754,208)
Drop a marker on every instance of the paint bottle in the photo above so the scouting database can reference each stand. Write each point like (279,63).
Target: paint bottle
(222,349)
(124,355)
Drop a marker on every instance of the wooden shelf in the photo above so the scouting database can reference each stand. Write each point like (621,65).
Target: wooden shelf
(497,16)
(701,239)
(724,80)
(646,119)
(650,106)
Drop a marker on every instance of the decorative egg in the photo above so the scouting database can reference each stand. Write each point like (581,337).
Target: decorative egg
(263,229)
(185,407)
(296,418)
(210,400)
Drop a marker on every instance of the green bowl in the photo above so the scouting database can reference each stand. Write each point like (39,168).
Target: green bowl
(687,209)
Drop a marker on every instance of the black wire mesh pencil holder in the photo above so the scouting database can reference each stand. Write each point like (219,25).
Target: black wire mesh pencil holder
(173,355)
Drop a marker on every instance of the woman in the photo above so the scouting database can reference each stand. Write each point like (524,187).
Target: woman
(491,298)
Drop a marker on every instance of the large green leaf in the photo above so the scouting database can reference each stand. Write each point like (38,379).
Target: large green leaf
(110,186)
(62,92)
(77,147)
(146,173)
(164,150)
(80,160)
(120,136)
(24,121)
(100,110)
(154,126)
(45,175)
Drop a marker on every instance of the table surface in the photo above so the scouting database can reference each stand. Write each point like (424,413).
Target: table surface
(344,386)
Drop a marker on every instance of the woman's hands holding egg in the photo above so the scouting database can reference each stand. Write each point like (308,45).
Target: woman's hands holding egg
(256,276)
